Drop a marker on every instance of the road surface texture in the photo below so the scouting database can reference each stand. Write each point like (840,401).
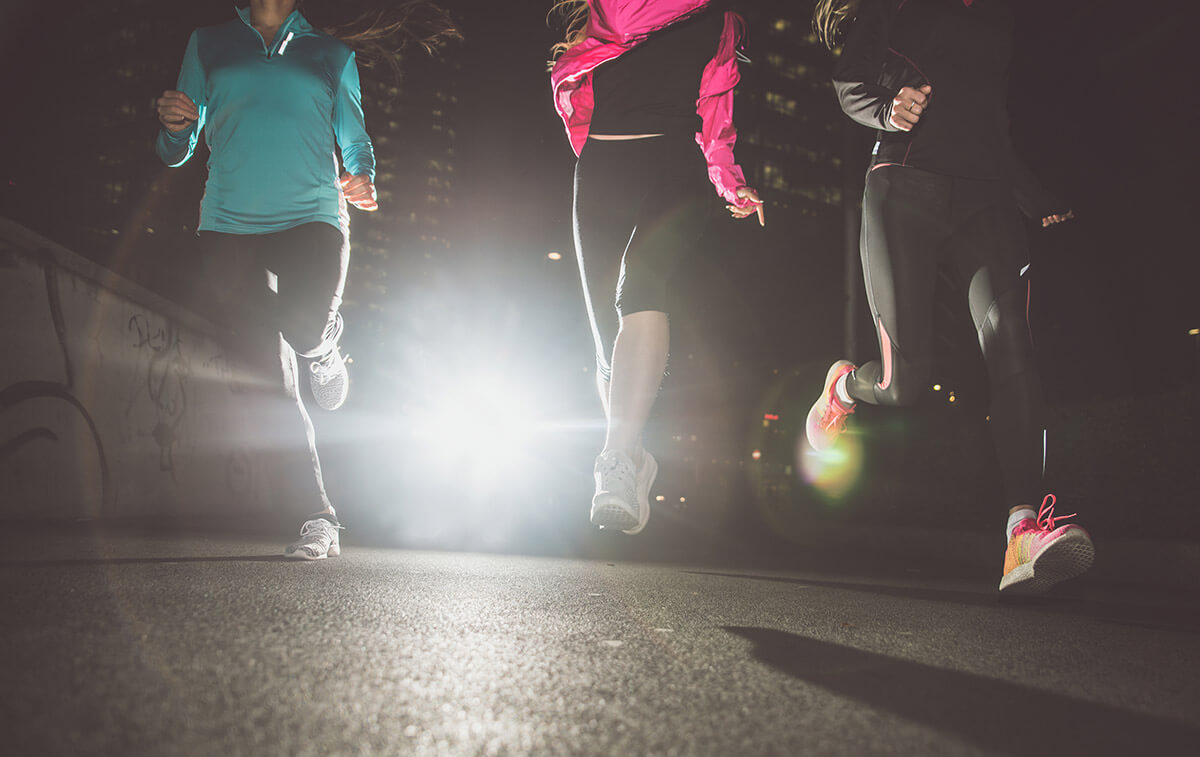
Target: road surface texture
(178,644)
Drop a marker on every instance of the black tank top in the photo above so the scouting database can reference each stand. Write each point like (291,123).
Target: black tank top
(652,89)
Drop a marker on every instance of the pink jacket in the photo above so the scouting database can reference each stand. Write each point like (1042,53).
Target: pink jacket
(617,26)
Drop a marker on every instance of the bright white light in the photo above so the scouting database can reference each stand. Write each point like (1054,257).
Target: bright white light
(481,428)
(554,255)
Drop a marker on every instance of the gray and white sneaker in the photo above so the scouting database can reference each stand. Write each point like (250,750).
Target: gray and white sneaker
(622,498)
(318,540)
(329,379)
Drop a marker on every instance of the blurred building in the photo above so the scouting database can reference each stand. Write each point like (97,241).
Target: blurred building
(790,130)
(411,115)
(92,151)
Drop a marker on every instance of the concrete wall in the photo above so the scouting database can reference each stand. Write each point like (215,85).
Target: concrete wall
(115,402)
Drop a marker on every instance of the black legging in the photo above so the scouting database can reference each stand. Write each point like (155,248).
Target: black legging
(309,265)
(912,219)
(274,317)
(640,206)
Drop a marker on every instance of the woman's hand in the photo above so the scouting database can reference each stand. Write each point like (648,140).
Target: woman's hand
(359,191)
(176,111)
(1057,218)
(908,105)
(756,206)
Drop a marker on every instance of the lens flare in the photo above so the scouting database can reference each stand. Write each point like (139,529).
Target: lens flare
(835,472)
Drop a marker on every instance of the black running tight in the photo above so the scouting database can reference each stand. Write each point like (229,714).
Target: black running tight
(912,220)
(641,206)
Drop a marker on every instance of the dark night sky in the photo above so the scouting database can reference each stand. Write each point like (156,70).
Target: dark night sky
(1096,111)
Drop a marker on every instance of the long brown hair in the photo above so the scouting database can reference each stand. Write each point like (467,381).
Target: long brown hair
(574,16)
(829,16)
(379,32)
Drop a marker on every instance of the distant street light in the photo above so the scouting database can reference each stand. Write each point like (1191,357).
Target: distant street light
(554,255)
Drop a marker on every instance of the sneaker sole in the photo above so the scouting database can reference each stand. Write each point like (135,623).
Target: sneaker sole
(1068,557)
(614,515)
(300,554)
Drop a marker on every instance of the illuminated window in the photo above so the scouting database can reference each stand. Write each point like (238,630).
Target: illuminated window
(781,104)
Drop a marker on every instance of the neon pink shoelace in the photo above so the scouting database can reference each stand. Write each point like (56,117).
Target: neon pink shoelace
(1046,518)
(835,415)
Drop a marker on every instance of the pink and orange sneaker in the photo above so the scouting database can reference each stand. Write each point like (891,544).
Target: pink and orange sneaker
(1040,555)
(827,418)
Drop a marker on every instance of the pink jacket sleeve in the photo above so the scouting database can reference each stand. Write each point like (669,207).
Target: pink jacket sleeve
(717,134)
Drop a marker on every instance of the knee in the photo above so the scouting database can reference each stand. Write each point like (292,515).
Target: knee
(901,385)
(311,335)
(1004,339)
(900,393)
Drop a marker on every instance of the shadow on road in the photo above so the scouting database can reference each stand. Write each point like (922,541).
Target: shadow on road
(993,714)
(1166,613)
(140,561)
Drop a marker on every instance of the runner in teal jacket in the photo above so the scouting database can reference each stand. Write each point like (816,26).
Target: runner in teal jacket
(271,115)
(275,99)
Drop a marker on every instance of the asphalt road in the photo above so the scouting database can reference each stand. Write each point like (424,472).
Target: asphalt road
(211,645)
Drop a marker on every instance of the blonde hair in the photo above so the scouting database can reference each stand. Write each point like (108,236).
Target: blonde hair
(574,16)
(829,16)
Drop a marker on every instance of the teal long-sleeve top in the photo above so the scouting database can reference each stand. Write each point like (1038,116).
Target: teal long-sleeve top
(273,117)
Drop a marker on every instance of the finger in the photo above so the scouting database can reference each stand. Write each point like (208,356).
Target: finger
(359,191)
(172,111)
(178,100)
(901,109)
(902,120)
(762,221)
(910,94)
(177,115)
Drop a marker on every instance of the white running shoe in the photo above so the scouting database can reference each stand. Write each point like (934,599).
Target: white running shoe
(318,540)
(622,498)
(329,379)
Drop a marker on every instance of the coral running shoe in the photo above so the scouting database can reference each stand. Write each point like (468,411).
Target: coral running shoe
(827,418)
(1041,555)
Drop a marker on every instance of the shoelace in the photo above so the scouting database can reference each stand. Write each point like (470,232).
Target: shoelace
(613,467)
(1045,516)
(324,368)
(317,524)
(835,415)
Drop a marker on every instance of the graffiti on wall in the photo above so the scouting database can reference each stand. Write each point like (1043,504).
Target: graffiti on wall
(165,369)
(20,392)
